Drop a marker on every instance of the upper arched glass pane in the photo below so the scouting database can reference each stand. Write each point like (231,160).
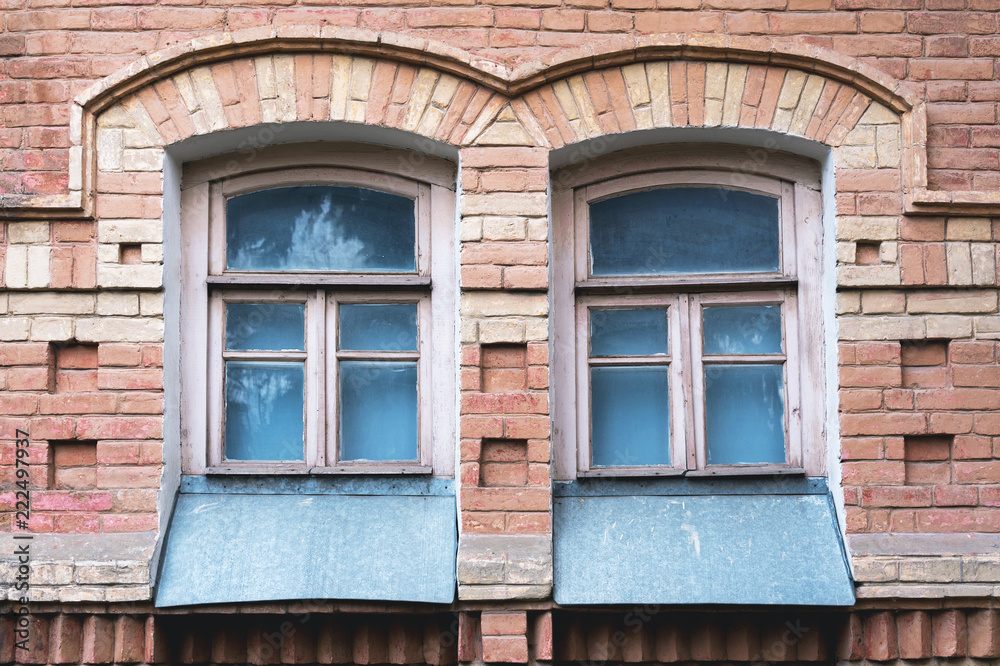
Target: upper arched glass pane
(685,230)
(320,228)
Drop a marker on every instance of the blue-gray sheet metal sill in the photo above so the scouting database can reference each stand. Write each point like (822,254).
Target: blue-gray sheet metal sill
(663,547)
(233,541)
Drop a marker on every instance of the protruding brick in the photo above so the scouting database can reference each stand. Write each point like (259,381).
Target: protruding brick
(98,640)
(949,634)
(155,644)
(370,643)
(913,630)
(440,647)
(37,640)
(334,645)
(65,639)
(299,646)
(671,643)
(984,634)
(850,641)
(742,642)
(541,637)
(405,643)
(468,638)
(195,646)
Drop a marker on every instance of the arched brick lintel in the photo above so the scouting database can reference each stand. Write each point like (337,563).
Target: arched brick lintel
(485,79)
(618,50)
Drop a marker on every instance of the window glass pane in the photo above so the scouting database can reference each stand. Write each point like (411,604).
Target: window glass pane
(379,327)
(629,416)
(267,326)
(753,329)
(684,230)
(320,228)
(378,410)
(744,414)
(640,332)
(264,406)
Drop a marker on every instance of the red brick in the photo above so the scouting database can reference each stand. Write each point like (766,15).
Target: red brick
(505,649)
(880,637)
(483,522)
(984,634)
(504,474)
(129,379)
(949,632)
(110,354)
(955,496)
(129,523)
(98,640)
(914,635)
(505,499)
(542,637)
(504,623)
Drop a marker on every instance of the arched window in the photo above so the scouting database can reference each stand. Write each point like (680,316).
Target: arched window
(307,278)
(688,291)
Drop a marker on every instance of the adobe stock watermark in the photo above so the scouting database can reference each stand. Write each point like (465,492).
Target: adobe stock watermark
(22,539)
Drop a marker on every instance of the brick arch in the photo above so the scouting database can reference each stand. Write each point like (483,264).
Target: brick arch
(686,93)
(482,78)
(281,88)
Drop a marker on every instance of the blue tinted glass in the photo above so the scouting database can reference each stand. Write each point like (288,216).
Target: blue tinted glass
(753,329)
(320,228)
(379,327)
(378,410)
(264,410)
(684,230)
(640,332)
(629,416)
(744,414)
(269,326)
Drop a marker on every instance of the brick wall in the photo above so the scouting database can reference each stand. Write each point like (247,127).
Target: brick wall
(903,92)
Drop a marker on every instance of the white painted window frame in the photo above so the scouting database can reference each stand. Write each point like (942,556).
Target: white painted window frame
(795,287)
(206,286)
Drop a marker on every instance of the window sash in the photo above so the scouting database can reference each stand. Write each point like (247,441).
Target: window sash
(790,379)
(332,372)
(221,191)
(321,359)
(584,196)
(203,188)
(676,383)
(687,364)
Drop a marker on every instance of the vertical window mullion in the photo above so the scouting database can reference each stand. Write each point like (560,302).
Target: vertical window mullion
(315,390)
(681,395)
(698,452)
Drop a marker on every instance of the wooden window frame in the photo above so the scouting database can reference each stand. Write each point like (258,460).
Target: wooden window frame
(206,286)
(795,287)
